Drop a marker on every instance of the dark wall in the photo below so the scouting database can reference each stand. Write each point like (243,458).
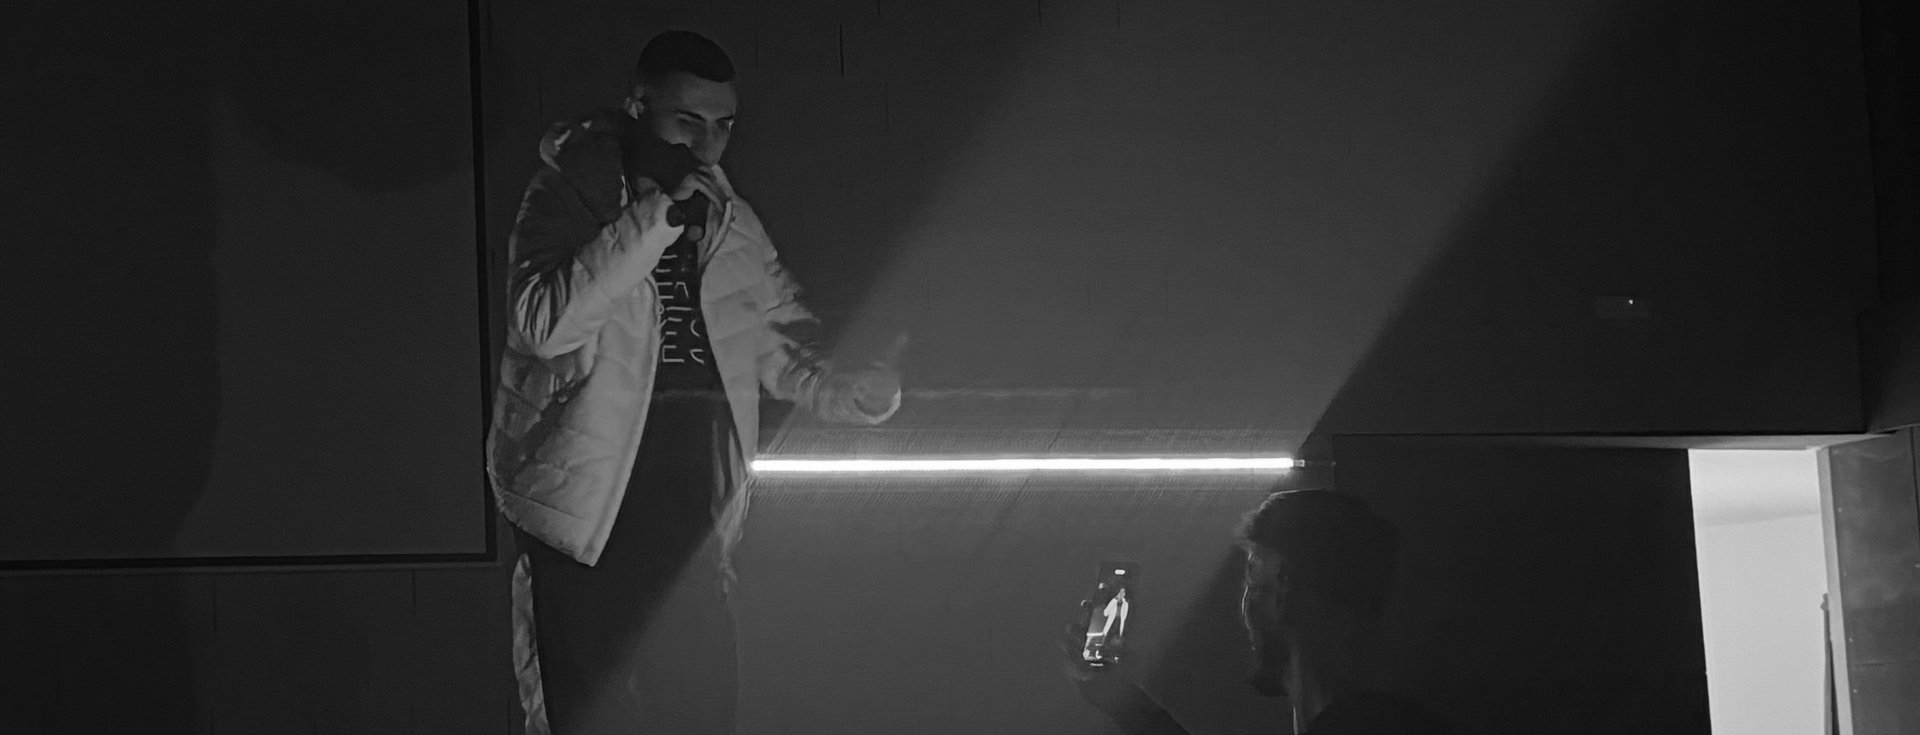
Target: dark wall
(1356,217)
(401,652)
(935,606)
(244,301)
(1537,590)
(1873,503)
(1891,40)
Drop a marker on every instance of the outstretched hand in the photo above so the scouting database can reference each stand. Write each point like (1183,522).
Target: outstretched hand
(879,385)
(1107,687)
(1111,688)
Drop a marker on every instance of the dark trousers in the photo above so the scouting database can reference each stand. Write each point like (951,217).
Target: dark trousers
(643,641)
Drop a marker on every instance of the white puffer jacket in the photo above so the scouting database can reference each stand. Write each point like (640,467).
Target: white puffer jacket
(583,342)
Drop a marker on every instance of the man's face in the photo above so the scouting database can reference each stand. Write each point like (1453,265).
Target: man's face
(1262,601)
(684,109)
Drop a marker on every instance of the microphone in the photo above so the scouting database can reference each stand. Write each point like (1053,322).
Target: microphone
(646,156)
(689,211)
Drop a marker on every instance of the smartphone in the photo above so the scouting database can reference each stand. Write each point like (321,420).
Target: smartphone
(1108,610)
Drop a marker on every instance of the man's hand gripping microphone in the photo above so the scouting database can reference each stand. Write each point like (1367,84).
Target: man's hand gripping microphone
(669,166)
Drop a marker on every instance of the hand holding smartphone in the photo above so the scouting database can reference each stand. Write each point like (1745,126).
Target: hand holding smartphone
(1098,640)
(1108,610)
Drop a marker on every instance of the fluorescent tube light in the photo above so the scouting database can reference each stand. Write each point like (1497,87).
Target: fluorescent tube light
(1026,464)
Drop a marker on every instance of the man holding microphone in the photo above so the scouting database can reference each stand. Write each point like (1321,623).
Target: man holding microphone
(648,312)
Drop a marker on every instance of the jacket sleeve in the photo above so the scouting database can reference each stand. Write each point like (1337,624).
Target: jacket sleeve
(570,263)
(793,366)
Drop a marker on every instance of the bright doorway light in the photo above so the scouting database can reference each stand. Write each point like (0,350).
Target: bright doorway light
(1761,549)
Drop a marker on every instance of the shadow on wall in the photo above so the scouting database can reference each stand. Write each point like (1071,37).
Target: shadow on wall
(113,410)
(121,210)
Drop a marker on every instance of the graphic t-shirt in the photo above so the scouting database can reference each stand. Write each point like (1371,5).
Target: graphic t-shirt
(686,357)
(687,422)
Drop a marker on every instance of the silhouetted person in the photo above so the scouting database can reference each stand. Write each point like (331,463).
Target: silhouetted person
(1319,565)
(628,404)
(1318,568)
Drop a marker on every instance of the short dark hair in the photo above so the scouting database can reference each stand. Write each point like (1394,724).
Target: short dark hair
(683,51)
(1333,543)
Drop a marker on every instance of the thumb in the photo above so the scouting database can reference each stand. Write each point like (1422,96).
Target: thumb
(652,212)
(1076,633)
(891,355)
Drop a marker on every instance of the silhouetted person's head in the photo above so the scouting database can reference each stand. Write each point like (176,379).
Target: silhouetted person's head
(1318,567)
(683,89)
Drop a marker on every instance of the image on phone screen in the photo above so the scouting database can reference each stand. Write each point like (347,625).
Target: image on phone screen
(1108,611)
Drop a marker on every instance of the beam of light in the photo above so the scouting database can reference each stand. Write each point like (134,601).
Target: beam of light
(1029,464)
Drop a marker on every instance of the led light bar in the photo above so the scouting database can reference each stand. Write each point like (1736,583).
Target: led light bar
(1029,464)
